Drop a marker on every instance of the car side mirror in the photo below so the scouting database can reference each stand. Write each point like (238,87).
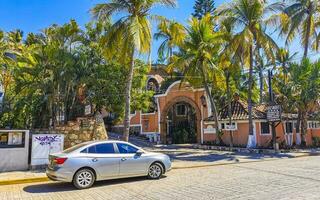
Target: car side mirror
(139,152)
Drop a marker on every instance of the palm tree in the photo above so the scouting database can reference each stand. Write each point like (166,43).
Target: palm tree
(197,56)
(128,36)
(304,87)
(283,60)
(301,17)
(229,63)
(250,18)
(172,33)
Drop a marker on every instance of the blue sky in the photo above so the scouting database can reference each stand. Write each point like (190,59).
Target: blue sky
(34,15)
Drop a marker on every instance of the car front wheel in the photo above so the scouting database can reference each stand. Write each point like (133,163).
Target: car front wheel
(155,171)
(84,179)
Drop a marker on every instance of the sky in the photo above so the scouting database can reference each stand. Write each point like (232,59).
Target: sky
(35,15)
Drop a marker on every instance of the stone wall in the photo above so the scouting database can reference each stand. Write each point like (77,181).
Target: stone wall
(79,131)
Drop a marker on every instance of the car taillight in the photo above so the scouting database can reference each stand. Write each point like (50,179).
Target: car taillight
(59,161)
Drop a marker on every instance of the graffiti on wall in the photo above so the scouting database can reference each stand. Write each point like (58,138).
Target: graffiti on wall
(47,140)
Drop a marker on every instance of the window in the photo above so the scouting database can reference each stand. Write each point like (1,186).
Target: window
(313,125)
(222,126)
(12,139)
(265,128)
(289,127)
(181,110)
(101,148)
(226,126)
(125,148)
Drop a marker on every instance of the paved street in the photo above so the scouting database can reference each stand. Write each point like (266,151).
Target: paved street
(297,178)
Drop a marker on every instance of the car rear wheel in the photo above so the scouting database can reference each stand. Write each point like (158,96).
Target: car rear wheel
(84,179)
(155,171)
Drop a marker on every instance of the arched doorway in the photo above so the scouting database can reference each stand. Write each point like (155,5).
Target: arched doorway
(180,122)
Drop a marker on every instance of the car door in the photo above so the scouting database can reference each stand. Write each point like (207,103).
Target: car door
(131,164)
(104,160)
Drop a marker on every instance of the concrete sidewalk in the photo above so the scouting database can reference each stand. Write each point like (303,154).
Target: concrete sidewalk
(182,157)
(18,177)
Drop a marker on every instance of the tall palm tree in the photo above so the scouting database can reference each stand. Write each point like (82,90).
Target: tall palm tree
(129,36)
(197,56)
(301,17)
(229,63)
(250,18)
(172,33)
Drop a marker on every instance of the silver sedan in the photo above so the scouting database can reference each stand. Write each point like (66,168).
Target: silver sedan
(88,162)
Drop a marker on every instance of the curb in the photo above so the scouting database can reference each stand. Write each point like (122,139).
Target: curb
(27,180)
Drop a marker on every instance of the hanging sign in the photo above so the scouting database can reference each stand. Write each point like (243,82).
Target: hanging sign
(274,113)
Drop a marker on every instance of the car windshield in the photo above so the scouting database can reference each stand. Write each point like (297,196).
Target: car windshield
(71,149)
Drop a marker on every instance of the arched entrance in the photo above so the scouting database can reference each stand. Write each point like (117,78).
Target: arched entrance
(180,122)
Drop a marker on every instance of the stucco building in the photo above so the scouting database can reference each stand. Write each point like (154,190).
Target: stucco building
(182,114)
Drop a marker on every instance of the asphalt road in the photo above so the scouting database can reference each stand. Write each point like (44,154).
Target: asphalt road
(297,178)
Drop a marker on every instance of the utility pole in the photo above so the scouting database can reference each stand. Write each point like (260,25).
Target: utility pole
(271,102)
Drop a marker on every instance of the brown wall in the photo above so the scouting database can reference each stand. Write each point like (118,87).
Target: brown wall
(152,121)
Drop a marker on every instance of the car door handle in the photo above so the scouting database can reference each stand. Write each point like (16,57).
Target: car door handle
(123,159)
(94,160)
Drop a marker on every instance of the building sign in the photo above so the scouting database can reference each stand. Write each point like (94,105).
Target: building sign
(87,110)
(84,123)
(43,145)
(274,113)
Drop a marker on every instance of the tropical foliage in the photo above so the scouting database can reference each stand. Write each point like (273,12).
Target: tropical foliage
(130,35)
(48,78)
(51,76)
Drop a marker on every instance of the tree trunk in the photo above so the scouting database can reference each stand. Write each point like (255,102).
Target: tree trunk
(229,106)
(250,92)
(306,46)
(213,107)
(285,73)
(304,126)
(298,124)
(261,86)
(126,122)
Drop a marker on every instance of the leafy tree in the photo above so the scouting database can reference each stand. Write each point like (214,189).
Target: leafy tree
(172,33)
(61,69)
(304,90)
(130,35)
(197,57)
(283,60)
(203,7)
(301,17)
(249,16)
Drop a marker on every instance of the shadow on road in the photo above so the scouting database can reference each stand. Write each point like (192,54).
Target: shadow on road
(213,157)
(64,187)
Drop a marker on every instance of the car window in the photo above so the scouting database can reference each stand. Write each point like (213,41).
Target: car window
(100,149)
(125,148)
